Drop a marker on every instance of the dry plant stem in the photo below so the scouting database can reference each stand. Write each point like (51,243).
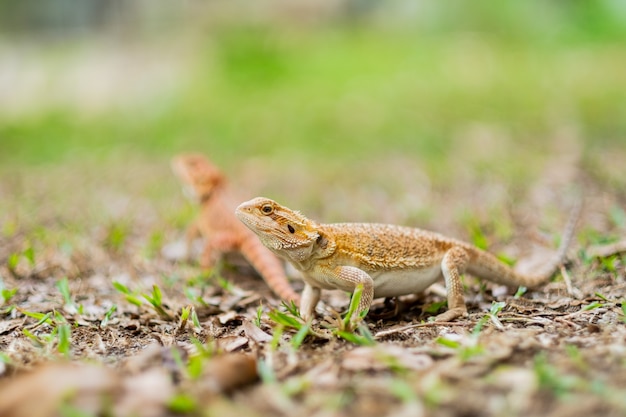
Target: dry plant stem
(567,322)
(396,330)
(574,292)
(602,251)
(387,260)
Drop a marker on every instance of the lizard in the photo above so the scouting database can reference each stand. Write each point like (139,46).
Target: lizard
(387,260)
(204,182)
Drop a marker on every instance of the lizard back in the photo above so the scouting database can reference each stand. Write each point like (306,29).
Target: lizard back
(387,246)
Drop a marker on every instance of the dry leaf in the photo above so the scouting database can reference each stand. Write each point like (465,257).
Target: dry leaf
(325,374)
(226,373)
(156,356)
(145,394)
(254,333)
(40,392)
(229,316)
(232,343)
(603,251)
(7,326)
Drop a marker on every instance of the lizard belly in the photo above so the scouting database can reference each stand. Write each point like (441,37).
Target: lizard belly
(402,282)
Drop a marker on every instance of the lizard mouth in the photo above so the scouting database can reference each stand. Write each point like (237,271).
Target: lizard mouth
(245,213)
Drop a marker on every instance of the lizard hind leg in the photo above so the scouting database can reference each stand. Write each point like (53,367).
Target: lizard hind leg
(452,266)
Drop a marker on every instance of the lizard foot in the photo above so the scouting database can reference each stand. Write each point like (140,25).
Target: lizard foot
(452,314)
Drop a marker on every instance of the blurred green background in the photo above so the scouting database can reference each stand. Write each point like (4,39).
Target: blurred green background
(334,90)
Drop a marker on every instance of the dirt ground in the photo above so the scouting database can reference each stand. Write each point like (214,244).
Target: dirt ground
(559,350)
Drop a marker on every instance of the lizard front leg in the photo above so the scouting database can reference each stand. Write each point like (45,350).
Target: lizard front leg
(452,266)
(310,298)
(341,277)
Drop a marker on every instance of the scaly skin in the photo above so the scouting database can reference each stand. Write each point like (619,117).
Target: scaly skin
(388,260)
(217,224)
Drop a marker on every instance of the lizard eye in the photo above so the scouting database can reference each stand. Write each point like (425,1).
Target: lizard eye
(267,209)
(291,229)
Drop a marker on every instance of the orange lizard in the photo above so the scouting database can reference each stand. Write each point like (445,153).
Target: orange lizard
(218,225)
(387,260)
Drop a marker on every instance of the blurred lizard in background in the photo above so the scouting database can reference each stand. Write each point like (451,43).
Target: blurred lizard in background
(387,260)
(203,182)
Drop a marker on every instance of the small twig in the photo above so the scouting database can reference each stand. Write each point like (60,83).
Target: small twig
(528,320)
(568,280)
(388,332)
(579,313)
(603,251)
(568,322)
(573,292)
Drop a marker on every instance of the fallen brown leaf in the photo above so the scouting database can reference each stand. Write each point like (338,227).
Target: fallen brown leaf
(42,391)
(232,343)
(254,333)
(226,373)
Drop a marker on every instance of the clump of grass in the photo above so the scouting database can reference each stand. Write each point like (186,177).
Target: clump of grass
(59,336)
(471,346)
(182,403)
(116,235)
(4,358)
(154,244)
(108,315)
(155,299)
(6,294)
(291,319)
(129,295)
(28,255)
(466,350)
(521,290)
(477,236)
(492,316)
(343,327)
(352,322)
(258,316)
(550,379)
(434,308)
(69,305)
(187,313)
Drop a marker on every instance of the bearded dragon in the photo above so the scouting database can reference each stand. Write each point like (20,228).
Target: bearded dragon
(387,260)
(205,183)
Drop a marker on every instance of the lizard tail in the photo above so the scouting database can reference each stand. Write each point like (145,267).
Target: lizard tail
(545,273)
(496,271)
(269,267)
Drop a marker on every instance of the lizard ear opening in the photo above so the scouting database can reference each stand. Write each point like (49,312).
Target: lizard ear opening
(291,229)
(322,241)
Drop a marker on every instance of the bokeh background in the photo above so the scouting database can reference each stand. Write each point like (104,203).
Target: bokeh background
(348,109)
(482,120)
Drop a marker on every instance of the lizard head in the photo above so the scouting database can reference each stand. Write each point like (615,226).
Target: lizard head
(278,227)
(197,174)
